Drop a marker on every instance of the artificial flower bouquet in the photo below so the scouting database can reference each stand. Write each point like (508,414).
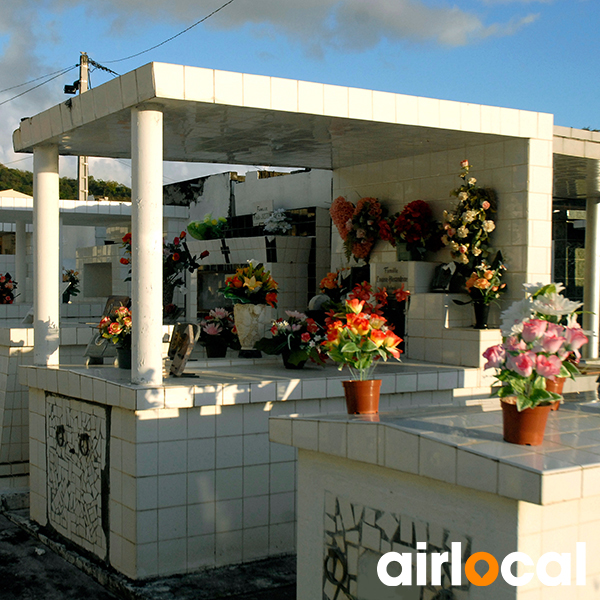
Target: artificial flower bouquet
(70,276)
(415,226)
(277,223)
(219,325)
(177,259)
(296,335)
(117,327)
(467,228)
(359,340)
(358,226)
(336,285)
(541,341)
(208,228)
(251,284)
(485,283)
(7,289)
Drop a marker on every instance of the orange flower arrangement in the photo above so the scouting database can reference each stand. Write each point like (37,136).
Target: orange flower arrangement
(251,285)
(359,340)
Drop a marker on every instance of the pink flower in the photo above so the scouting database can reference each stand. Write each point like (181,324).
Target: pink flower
(514,344)
(485,205)
(533,329)
(552,343)
(464,164)
(305,337)
(548,366)
(521,364)
(212,329)
(495,356)
(575,338)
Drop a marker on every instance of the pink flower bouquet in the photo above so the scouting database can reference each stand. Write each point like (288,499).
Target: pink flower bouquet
(534,351)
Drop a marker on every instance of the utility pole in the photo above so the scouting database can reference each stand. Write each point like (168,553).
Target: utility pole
(82,165)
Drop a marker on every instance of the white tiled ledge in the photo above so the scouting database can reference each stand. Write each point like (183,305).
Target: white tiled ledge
(235,381)
(463,446)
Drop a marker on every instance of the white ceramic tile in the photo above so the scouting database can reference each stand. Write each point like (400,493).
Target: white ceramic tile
(280,430)
(362,442)
(282,477)
(332,438)
(310,97)
(476,472)
(201,454)
(199,84)
(229,452)
(519,484)
(172,425)
(172,490)
(281,508)
(284,94)
(229,483)
(401,450)
(437,460)
(172,457)
(256,449)
(257,91)
(256,480)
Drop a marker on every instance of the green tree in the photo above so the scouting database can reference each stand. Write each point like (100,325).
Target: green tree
(22,181)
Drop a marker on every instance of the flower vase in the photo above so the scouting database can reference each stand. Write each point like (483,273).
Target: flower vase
(124,357)
(402,252)
(252,321)
(526,427)
(216,347)
(482,312)
(285,355)
(555,386)
(362,396)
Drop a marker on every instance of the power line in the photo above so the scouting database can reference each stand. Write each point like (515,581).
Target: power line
(33,80)
(214,12)
(63,72)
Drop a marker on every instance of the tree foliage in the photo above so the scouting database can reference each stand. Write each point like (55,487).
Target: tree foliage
(22,181)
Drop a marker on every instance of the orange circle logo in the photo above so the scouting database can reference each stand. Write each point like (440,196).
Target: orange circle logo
(473,576)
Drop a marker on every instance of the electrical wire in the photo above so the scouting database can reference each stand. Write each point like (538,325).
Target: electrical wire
(34,80)
(214,12)
(63,72)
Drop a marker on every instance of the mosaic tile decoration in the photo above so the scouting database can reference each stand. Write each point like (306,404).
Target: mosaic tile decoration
(76,442)
(357,536)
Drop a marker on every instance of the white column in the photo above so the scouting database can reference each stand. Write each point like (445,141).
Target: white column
(147,244)
(20,275)
(46,268)
(591,290)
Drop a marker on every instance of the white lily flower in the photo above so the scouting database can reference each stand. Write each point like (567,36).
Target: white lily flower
(513,317)
(555,305)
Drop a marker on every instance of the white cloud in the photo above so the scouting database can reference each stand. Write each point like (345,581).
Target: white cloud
(318,25)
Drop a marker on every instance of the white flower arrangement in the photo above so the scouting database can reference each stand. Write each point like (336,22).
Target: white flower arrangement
(277,222)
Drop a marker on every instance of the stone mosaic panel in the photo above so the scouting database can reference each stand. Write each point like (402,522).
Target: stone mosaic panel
(357,536)
(77,473)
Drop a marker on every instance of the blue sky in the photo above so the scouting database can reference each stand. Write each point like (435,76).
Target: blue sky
(530,54)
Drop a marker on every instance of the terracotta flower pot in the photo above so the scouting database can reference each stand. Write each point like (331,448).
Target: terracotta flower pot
(362,397)
(555,386)
(526,427)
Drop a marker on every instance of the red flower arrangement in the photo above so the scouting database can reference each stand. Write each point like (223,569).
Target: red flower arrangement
(7,289)
(416,227)
(359,227)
